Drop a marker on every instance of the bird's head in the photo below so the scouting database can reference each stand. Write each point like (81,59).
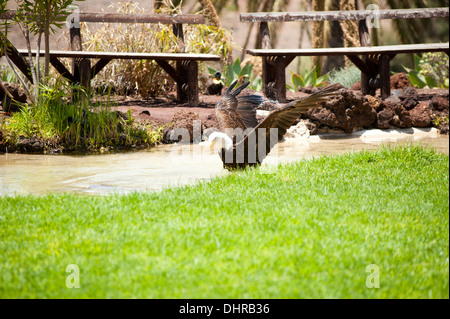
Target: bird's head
(217,78)
(221,140)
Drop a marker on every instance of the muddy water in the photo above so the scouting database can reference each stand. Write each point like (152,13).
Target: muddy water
(174,165)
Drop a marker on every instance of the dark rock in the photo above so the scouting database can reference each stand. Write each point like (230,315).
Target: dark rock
(186,126)
(384,118)
(313,129)
(409,98)
(443,129)
(348,111)
(356,86)
(421,115)
(19,97)
(393,114)
(374,102)
(268,106)
(30,144)
(211,121)
(439,113)
(145,112)
(399,81)
(439,103)
(308,89)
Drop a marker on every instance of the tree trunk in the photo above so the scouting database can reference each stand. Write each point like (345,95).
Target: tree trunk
(335,40)
(211,13)
(318,34)
(47,38)
(35,95)
(350,28)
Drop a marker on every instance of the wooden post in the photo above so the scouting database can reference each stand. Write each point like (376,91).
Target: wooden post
(385,75)
(182,81)
(268,69)
(280,79)
(85,73)
(192,83)
(75,45)
(364,39)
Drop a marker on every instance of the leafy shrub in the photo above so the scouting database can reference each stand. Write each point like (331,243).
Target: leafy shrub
(85,124)
(7,75)
(346,76)
(307,79)
(431,70)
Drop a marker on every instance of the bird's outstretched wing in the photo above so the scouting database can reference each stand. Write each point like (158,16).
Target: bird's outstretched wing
(283,118)
(246,107)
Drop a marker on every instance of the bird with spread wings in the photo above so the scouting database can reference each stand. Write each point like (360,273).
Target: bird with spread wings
(245,142)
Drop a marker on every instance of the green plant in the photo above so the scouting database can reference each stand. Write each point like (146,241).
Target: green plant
(432,70)
(441,120)
(235,71)
(346,76)
(7,75)
(38,17)
(85,124)
(307,79)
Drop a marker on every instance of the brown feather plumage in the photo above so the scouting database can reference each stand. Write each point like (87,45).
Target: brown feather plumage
(253,143)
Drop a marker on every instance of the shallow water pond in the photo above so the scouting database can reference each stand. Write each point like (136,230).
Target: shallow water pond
(175,165)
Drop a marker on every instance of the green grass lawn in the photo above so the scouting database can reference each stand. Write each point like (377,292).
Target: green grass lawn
(304,230)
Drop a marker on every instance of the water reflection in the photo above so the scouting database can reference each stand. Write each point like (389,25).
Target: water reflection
(174,165)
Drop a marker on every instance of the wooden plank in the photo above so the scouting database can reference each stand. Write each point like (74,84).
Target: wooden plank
(169,69)
(99,66)
(17,58)
(20,61)
(344,15)
(62,69)
(360,64)
(130,18)
(129,55)
(392,49)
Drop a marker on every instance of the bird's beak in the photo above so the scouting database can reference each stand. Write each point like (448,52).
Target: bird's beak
(211,145)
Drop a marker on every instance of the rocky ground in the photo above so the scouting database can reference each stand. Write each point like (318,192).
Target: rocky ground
(348,112)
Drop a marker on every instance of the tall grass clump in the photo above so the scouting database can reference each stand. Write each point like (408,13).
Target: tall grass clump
(346,76)
(145,76)
(7,75)
(78,124)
